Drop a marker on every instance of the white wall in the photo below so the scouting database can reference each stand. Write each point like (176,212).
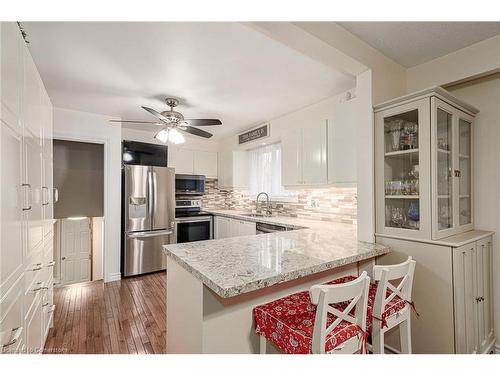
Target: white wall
(388,77)
(475,60)
(485,94)
(89,127)
(365,153)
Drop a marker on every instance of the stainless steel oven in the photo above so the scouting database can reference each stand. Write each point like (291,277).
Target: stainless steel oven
(194,228)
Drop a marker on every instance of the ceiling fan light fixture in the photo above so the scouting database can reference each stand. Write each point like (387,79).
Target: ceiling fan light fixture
(171,135)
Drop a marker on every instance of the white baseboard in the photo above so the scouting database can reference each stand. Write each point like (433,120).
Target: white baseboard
(113,277)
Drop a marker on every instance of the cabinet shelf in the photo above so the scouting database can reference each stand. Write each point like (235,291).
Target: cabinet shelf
(443,196)
(462,156)
(402,197)
(442,151)
(463,196)
(402,152)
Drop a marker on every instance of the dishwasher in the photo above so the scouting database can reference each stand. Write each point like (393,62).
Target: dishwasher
(270,228)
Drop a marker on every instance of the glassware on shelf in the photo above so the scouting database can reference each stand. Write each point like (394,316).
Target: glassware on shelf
(413,211)
(395,129)
(409,136)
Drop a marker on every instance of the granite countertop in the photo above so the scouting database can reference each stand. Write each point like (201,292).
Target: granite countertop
(237,265)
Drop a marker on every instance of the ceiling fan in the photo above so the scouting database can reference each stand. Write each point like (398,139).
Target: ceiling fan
(173,121)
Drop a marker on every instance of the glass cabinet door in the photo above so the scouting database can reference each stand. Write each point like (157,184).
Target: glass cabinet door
(444,169)
(464,172)
(401,170)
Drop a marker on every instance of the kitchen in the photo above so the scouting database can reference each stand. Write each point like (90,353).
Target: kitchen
(250,208)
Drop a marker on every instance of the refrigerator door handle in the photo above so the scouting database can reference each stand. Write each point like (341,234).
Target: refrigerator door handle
(150,197)
(150,234)
(155,198)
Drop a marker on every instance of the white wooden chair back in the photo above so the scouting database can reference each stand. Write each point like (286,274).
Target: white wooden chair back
(384,275)
(355,291)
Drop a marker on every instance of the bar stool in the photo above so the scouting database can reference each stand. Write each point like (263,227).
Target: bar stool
(327,319)
(392,305)
(385,313)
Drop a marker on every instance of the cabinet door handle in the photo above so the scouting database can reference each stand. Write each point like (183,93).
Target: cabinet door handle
(16,333)
(457,173)
(56,194)
(29,197)
(51,264)
(43,196)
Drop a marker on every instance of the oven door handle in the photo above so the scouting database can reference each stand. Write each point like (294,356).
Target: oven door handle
(150,234)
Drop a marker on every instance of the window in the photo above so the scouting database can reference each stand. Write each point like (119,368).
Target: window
(265,173)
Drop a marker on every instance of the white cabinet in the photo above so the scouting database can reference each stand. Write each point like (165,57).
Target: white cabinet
(233,169)
(304,160)
(182,160)
(205,163)
(452,291)
(12,74)
(472,266)
(222,227)
(472,292)
(423,165)
(227,227)
(26,212)
(193,161)
(342,168)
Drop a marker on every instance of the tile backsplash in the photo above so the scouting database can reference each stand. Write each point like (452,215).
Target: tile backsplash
(337,204)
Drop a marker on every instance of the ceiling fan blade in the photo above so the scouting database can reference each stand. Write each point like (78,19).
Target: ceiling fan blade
(157,114)
(203,121)
(138,122)
(195,131)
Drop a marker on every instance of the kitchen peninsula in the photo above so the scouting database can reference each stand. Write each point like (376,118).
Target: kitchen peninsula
(213,286)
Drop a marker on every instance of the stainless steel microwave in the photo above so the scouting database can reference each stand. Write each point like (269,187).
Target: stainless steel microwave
(188,184)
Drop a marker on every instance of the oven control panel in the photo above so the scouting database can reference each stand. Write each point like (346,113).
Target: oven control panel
(188,203)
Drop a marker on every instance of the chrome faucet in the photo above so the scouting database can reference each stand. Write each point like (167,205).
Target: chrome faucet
(268,207)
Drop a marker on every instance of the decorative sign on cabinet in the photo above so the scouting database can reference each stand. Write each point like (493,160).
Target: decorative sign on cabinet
(26,198)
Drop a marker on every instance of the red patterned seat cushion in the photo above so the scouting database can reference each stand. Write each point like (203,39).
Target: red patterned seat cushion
(395,305)
(288,322)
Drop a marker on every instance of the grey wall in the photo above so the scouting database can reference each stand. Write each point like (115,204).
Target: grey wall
(79,176)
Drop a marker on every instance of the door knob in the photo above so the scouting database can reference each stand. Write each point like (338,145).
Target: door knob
(63,258)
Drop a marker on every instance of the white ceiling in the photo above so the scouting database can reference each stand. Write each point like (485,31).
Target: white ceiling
(413,43)
(217,70)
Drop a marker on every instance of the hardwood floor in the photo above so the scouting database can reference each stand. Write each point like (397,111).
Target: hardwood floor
(126,316)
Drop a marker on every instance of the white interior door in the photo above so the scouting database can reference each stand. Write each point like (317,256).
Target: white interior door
(75,251)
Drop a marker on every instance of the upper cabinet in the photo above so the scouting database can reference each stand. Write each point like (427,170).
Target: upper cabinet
(193,162)
(233,167)
(11,83)
(304,160)
(205,163)
(423,145)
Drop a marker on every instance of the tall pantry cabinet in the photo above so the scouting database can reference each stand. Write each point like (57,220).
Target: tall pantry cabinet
(424,209)
(26,199)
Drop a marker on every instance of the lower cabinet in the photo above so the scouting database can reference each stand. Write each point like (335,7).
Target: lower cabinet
(472,291)
(226,227)
(452,291)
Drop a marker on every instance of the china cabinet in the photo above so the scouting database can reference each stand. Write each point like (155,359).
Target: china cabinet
(424,209)
(423,146)
(26,199)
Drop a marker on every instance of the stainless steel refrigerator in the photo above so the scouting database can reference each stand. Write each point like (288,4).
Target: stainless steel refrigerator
(149,217)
